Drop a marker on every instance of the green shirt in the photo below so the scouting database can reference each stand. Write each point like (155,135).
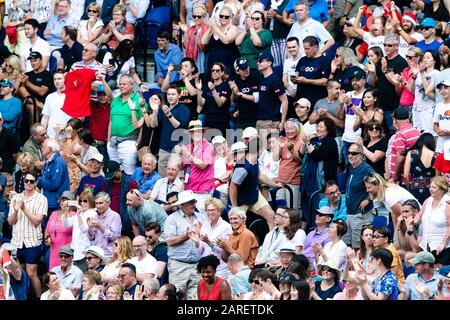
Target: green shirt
(121,123)
(250,52)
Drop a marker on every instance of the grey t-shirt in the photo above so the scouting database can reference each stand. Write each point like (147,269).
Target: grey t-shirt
(332,108)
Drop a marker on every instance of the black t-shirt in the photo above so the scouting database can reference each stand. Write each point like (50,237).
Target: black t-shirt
(247,109)
(8,147)
(379,165)
(269,104)
(71,55)
(186,99)
(43,78)
(441,14)
(388,100)
(211,110)
(312,68)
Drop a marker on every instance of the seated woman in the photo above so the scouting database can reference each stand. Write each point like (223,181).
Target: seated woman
(146,176)
(55,290)
(257,292)
(91,29)
(211,287)
(118,28)
(329,286)
(123,251)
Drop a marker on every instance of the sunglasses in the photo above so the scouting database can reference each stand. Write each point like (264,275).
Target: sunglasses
(64,256)
(374,128)
(93,11)
(256,18)
(337,55)
(90,258)
(353,153)
(425,28)
(115,244)
(326,269)
(221,16)
(377,236)
(29,181)
(83,201)
(216,70)
(260,60)
(197,17)
(410,57)
(8,66)
(256,281)
(389,45)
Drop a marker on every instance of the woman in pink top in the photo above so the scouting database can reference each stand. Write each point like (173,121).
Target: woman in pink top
(198,159)
(351,289)
(405,87)
(56,234)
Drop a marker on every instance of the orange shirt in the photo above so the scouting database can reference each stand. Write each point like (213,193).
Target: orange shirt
(244,242)
(397,262)
(289,171)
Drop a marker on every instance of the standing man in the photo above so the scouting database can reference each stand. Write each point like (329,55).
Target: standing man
(166,54)
(34,43)
(26,212)
(33,144)
(126,119)
(182,252)
(142,212)
(289,66)
(55,176)
(409,37)
(428,29)
(169,118)
(272,98)
(37,82)
(387,71)
(54,119)
(106,226)
(305,26)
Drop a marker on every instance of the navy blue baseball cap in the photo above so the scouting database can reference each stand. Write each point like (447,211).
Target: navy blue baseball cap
(265,56)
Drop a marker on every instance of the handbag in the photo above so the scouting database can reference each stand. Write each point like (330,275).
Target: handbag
(145,149)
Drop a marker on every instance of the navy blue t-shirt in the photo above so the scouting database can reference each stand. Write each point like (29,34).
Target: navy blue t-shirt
(313,69)
(160,254)
(95,185)
(211,110)
(269,104)
(182,114)
(247,109)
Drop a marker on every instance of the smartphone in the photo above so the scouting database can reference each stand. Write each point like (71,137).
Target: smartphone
(72,203)
(317,278)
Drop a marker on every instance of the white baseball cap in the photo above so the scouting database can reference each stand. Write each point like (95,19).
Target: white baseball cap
(238,146)
(249,132)
(218,139)
(97,156)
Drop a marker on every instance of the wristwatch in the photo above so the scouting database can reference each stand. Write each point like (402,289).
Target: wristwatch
(399,29)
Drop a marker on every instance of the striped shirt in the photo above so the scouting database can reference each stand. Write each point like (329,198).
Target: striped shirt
(24,232)
(404,139)
(95,65)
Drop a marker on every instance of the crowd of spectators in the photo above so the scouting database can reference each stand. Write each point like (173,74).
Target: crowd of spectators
(287,150)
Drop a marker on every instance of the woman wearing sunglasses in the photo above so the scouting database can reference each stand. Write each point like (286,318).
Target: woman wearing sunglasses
(254,39)
(344,66)
(257,292)
(329,286)
(220,38)
(369,110)
(90,30)
(374,145)
(78,222)
(123,250)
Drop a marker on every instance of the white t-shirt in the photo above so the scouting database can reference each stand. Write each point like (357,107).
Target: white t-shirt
(397,194)
(146,265)
(267,165)
(84,29)
(52,108)
(289,69)
(40,46)
(220,167)
(442,116)
(350,117)
(299,238)
(404,46)
(438,77)
(64,295)
(336,252)
(373,41)
(264,296)
(310,27)
(80,239)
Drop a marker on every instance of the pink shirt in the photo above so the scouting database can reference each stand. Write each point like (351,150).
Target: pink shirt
(201,180)
(59,235)
(404,139)
(406,98)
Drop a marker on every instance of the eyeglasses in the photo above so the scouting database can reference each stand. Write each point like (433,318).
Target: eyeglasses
(374,128)
(353,153)
(197,17)
(221,16)
(117,14)
(377,236)
(90,258)
(29,181)
(93,11)
(389,45)
(216,70)
(333,192)
(410,57)
(256,18)
(138,245)
(281,215)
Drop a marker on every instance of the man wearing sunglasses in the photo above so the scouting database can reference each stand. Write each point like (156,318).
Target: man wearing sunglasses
(428,30)
(26,212)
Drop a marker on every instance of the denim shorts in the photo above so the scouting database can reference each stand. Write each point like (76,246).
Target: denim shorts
(30,255)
